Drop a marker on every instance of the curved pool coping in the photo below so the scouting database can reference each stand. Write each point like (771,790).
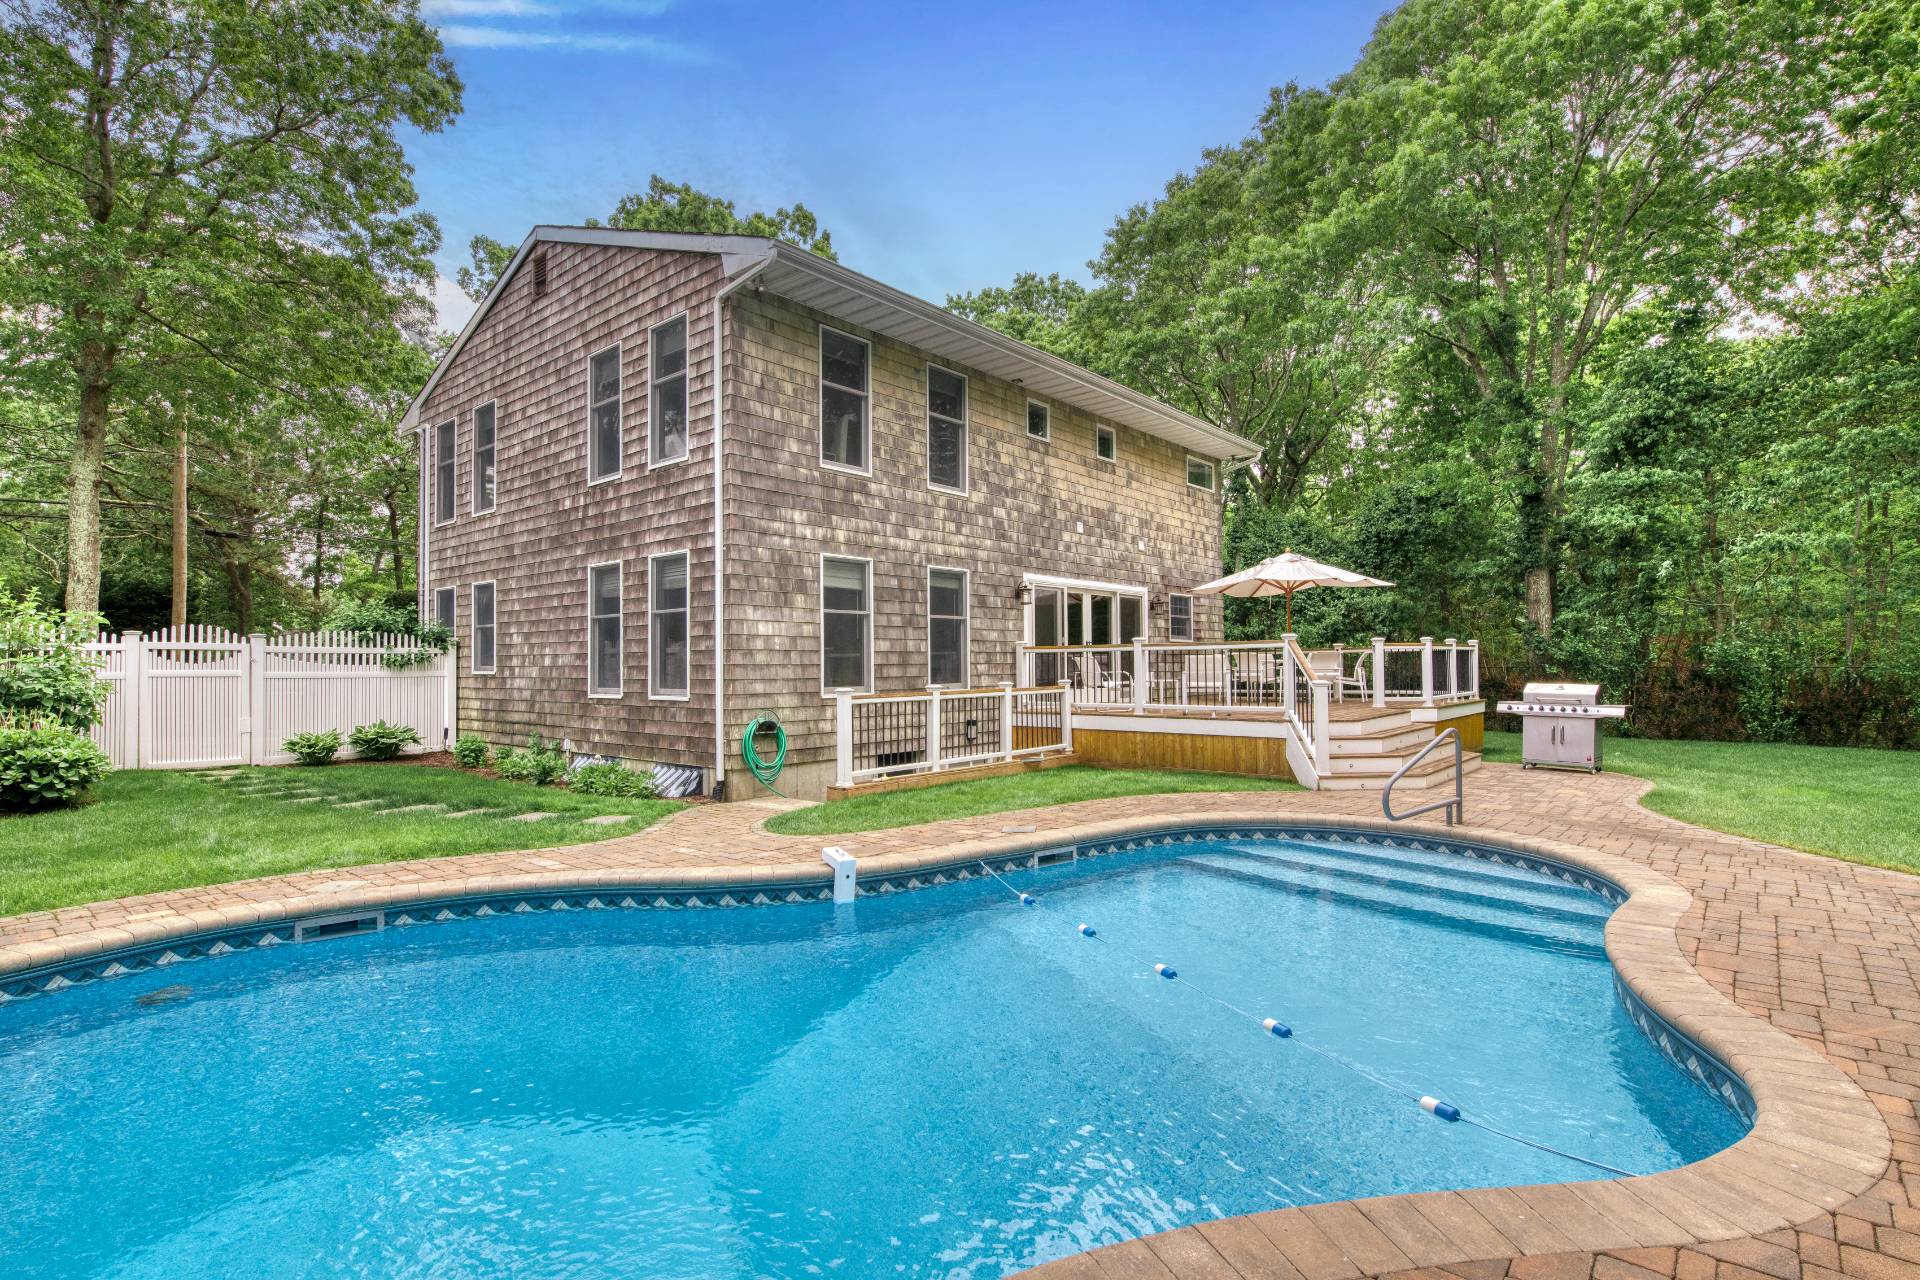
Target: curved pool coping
(1816,1140)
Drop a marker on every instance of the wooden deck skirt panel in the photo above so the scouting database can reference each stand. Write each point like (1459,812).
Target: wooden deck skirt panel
(1817,1143)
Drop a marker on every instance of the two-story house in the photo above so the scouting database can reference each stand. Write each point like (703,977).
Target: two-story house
(669,482)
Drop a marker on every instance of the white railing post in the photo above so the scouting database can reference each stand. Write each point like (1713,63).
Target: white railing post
(1426,671)
(137,690)
(1322,730)
(1473,667)
(1288,675)
(1139,675)
(1379,671)
(933,728)
(253,711)
(450,692)
(1066,720)
(843,740)
(1340,672)
(1006,719)
(1453,666)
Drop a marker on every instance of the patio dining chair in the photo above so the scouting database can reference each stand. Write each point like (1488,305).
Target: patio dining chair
(1331,665)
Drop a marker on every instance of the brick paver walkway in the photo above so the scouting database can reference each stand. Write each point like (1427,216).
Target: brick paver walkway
(1828,1185)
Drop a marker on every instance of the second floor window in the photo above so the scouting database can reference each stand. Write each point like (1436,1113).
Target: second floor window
(846,616)
(667,357)
(443,461)
(604,674)
(603,415)
(1200,473)
(844,400)
(443,607)
(1106,444)
(947,627)
(483,654)
(946,429)
(667,625)
(483,455)
(1039,421)
(1180,617)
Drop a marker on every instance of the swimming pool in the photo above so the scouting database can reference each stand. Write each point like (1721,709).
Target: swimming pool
(934,1083)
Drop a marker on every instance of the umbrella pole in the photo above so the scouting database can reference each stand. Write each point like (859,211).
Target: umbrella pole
(1289,595)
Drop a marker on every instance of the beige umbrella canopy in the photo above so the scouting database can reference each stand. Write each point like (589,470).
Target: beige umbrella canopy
(1284,574)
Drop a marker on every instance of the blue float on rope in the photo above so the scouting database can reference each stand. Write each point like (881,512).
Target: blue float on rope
(1280,1029)
(1087,930)
(1027,899)
(1165,971)
(1435,1107)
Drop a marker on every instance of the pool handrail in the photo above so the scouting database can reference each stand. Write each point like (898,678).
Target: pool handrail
(1455,807)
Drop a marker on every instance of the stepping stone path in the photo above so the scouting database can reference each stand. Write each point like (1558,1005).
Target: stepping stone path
(416,808)
(354,804)
(535,816)
(466,813)
(608,819)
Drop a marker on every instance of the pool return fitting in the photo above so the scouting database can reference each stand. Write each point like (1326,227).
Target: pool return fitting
(1281,1031)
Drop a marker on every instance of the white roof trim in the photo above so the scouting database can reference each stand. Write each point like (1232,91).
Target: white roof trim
(804,277)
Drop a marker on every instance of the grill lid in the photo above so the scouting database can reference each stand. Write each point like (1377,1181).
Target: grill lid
(1579,695)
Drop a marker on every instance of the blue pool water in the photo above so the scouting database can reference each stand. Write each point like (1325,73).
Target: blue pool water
(940,1083)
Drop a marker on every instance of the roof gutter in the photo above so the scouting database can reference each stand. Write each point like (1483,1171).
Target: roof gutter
(720,520)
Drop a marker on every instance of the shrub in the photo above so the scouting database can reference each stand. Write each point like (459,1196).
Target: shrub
(538,763)
(372,619)
(470,751)
(381,741)
(313,748)
(45,673)
(45,764)
(614,780)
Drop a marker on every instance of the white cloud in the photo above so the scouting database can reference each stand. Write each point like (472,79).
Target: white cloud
(473,37)
(452,308)
(486,9)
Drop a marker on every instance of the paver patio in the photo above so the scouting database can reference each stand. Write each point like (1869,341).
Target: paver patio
(1826,952)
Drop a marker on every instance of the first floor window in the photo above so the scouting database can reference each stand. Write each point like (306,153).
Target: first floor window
(667,358)
(1200,473)
(483,454)
(604,676)
(947,627)
(667,624)
(443,607)
(603,415)
(443,473)
(844,396)
(1106,444)
(946,428)
(483,628)
(1180,617)
(846,616)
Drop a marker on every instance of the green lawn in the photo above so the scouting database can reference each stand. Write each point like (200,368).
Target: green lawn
(1844,802)
(999,795)
(147,831)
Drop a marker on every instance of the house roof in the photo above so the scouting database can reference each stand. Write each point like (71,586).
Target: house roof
(810,280)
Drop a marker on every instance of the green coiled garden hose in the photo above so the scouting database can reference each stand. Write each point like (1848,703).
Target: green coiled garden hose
(765,770)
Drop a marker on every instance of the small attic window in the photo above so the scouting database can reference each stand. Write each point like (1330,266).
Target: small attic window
(539,275)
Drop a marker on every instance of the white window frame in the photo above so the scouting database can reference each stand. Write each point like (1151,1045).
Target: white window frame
(452,596)
(1171,633)
(654,692)
(452,462)
(620,616)
(619,414)
(493,624)
(1101,431)
(1213,473)
(966,624)
(820,587)
(473,457)
(686,377)
(866,402)
(966,429)
(1046,433)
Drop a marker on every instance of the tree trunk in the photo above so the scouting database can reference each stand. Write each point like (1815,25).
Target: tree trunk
(319,545)
(179,612)
(84,477)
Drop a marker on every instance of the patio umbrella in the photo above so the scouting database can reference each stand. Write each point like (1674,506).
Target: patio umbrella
(1284,574)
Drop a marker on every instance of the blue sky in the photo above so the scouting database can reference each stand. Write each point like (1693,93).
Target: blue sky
(945,146)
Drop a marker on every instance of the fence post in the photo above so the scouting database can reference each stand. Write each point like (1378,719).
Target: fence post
(1322,730)
(1139,675)
(1453,666)
(1426,671)
(135,665)
(1066,718)
(253,735)
(843,740)
(1473,667)
(450,693)
(1006,719)
(933,728)
(1288,675)
(1379,671)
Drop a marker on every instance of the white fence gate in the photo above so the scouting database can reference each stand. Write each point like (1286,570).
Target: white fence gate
(198,696)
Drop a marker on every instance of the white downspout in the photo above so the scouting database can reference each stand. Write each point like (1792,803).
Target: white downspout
(720,524)
(421,589)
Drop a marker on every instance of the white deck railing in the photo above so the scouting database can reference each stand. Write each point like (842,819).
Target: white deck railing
(883,735)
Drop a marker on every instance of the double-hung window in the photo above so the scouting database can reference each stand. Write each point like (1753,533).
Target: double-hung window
(443,460)
(946,429)
(483,456)
(483,655)
(603,415)
(846,623)
(667,372)
(845,399)
(604,673)
(667,624)
(443,607)
(947,627)
(1180,617)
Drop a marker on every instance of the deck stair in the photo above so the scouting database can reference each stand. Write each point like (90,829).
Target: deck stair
(1370,743)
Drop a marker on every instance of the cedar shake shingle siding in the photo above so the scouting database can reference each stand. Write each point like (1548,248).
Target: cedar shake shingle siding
(1047,507)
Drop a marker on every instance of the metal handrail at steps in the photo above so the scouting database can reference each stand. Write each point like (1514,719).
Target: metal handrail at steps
(1454,807)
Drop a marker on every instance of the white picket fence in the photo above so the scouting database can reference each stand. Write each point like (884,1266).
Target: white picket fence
(198,696)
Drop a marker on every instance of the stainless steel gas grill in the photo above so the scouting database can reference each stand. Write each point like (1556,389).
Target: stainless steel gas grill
(1560,725)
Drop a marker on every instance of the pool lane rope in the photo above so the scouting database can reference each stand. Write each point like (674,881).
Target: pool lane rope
(1278,1030)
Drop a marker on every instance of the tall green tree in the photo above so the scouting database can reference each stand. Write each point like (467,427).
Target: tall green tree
(208,176)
